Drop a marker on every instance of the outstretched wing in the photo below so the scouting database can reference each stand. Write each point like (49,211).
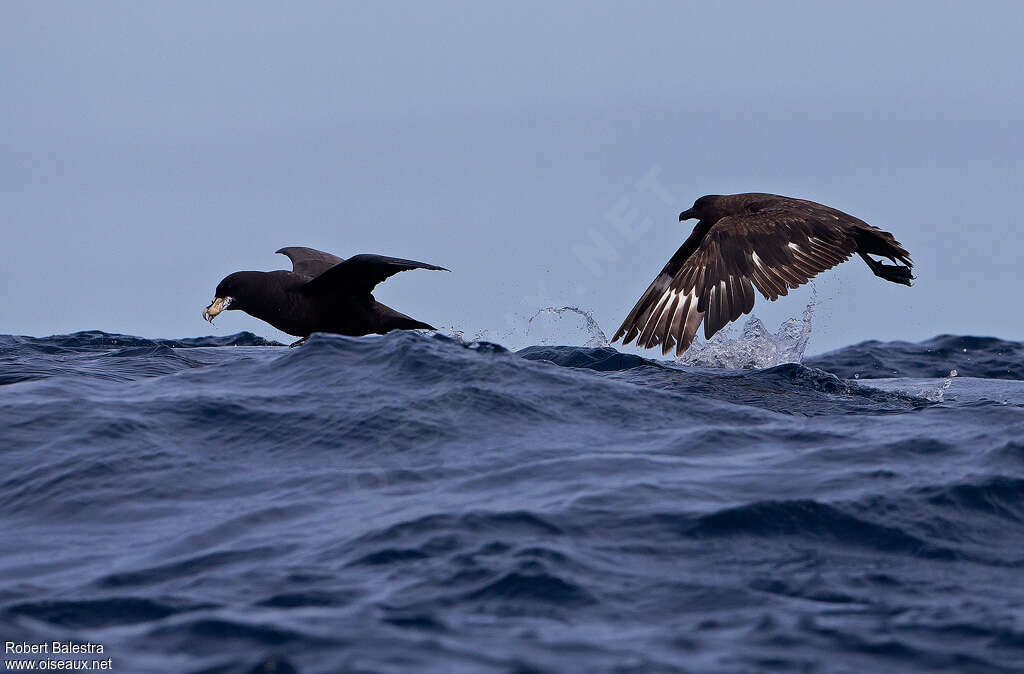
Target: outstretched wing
(772,250)
(310,261)
(360,274)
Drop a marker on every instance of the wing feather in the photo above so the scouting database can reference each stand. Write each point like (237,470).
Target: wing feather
(678,319)
(359,274)
(652,321)
(309,261)
(693,319)
(666,339)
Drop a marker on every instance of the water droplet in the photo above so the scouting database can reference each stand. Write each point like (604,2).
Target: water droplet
(596,335)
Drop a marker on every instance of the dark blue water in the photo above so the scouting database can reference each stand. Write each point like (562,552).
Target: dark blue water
(411,503)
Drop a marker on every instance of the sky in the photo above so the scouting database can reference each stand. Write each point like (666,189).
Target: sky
(540,150)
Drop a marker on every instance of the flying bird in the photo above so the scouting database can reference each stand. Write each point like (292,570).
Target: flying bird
(322,293)
(746,241)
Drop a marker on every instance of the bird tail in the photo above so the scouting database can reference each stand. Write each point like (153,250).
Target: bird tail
(896,273)
(874,241)
(413,324)
(399,321)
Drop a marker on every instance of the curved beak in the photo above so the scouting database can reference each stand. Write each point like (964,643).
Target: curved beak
(687,215)
(218,305)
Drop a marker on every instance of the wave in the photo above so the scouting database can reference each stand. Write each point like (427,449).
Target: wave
(92,340)
(983,357)
(414,502)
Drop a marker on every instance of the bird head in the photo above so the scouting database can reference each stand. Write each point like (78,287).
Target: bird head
(706,208)
(232,293)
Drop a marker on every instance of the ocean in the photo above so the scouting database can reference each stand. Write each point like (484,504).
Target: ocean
(423,503)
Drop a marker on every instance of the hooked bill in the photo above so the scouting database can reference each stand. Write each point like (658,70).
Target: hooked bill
(218,305)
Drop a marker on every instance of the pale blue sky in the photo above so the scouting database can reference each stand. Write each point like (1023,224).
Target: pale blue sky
(149,149)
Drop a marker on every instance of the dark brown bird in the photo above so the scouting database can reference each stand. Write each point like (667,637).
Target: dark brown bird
(747,241)
(322,293)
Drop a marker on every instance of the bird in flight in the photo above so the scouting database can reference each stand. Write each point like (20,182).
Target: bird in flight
(746,241)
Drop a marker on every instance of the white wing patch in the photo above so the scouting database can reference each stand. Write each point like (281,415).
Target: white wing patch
(674,311)
(756,260)
(675,317)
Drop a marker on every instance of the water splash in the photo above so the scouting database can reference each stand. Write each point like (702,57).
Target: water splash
(936,396)
(518,335)
(755,347)
(595,336)
(460,335)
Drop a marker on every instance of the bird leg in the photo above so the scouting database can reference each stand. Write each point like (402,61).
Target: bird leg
(299,342)
(897,273)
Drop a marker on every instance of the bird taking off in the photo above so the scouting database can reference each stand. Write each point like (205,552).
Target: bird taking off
(746,241)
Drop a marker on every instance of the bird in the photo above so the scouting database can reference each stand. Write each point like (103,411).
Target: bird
(744,241)
(322,293)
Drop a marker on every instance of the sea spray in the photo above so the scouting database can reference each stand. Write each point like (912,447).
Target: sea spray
(936,395)
(595,336)
(755,347)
